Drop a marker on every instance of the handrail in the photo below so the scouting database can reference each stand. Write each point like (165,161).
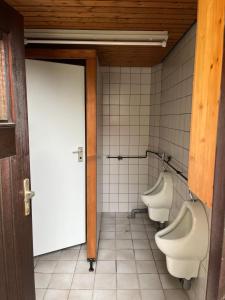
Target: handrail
(120,157)
(162,156)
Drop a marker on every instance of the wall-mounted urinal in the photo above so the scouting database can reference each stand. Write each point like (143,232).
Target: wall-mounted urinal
(185,241)
(159,198)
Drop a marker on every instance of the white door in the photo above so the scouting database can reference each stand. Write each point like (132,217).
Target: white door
(56,114)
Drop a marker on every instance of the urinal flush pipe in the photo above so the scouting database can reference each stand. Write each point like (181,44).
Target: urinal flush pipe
(186,284)
(192,198)
(165,159)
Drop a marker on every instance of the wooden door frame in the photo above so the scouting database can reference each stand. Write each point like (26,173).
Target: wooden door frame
(216,269)
(90,58)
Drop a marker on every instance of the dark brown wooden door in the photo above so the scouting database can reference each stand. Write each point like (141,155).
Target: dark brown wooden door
(16,261)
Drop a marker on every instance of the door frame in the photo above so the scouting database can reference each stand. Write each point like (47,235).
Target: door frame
(90,58)
(216,269)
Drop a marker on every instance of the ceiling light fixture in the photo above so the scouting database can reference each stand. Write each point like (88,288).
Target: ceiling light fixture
(96,37)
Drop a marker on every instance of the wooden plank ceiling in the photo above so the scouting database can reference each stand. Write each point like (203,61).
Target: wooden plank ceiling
(175,16)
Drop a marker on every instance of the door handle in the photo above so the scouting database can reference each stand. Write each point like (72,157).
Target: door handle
(80,154)
(28,195)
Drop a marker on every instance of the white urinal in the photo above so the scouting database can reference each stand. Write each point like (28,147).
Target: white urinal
(159,198)
(185,240)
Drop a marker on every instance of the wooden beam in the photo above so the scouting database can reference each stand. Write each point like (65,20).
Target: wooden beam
(91,115)
(19,4)
(40,53)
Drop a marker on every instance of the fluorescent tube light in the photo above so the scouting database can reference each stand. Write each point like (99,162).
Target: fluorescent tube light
(96,37)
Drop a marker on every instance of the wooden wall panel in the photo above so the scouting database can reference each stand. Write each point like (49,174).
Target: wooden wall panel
(206,95)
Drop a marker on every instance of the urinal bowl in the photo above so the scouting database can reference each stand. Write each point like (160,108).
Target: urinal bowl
(185,241)
(159,198)
(158,214)
(182,268)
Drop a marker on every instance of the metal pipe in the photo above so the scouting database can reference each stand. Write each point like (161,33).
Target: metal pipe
(162,156)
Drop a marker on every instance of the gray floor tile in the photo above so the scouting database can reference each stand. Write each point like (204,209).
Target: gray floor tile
(169,282)
(105,281)
(106,267)
(83,282)
(150,282)
(141,244)
(124,244)
(161,266)
(153,244)
(128,295)
(61,281)
(175,295)
(46,266)
(36,259)
(138,221)
(106,254)
(104,295)
(69,254)
(108,215)
(122,221)
(56,295)
(127,282)
(107,244)
(50,256)
(135,227)
(121,235)
(108,235)
(65,267)
(129,266)
(40,294)
(153,295)
(80,295)
(151,228)
(124,254)
(82,254)
(122,227)
(121,215)
(105,227)
(143,254)
(126,266)
(108,221)
(82,267)
(139,235)
(42,280)
(158,255)
(146,266)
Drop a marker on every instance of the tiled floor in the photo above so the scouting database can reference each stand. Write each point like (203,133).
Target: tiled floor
(129,267)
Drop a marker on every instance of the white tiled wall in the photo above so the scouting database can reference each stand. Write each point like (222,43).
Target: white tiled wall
(149,108)
(126,110)
(174,128)
(154,122)
(175,111)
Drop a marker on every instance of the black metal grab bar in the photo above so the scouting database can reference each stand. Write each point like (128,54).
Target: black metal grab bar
(120,157)
(177,171)
(164,158)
